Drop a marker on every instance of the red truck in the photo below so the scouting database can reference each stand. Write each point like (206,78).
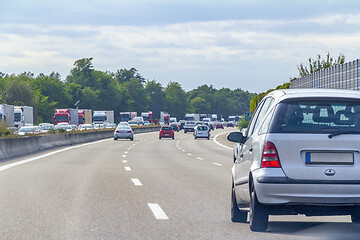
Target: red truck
(69,116)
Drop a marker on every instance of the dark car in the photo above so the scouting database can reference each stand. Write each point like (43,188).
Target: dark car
(219,125)
(175,126)
(166,132)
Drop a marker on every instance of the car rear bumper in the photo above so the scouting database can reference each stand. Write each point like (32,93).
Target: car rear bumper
(124,136)
(283,190)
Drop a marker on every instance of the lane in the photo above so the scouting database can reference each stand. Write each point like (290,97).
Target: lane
(86,193)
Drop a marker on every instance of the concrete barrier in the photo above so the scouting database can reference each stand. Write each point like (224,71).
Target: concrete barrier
(19,146)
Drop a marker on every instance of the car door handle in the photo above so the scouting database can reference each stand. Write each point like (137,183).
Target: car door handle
(251,149)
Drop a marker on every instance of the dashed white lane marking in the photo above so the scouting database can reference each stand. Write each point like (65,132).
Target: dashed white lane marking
(11,165)
(124,161)
(183,150)
(136,182)
(220,143)
(189,154)
(126,152)
(124,156)
(128,149)
(200,158)
(177,143)
(157,211)
(217,164)
(127,169)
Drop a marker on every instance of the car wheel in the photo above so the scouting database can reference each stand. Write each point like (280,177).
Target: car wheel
(185,131)
(159,137)
(258,215)
(208,138)
(115,138)
(173,138)
(236,214)
(195,137)
(132,139)
(355,218)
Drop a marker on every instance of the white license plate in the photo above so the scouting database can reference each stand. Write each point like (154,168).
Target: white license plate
(166,134)
(329,158)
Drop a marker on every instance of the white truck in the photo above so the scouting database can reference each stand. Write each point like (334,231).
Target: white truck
(192,117)
(103,117)
(7,114)
(23,115)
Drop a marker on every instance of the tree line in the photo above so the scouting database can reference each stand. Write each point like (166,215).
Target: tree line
(125,90)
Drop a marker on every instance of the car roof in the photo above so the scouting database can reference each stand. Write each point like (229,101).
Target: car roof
(282,94)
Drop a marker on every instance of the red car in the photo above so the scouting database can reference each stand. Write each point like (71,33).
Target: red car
(219,125)
(166,132)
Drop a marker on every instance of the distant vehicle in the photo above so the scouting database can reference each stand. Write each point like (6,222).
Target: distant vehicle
(133,123)
(44,128)
(212,125)
(139,120)
(202,131)
(23,115)
(147,123)
(175,126)
(83,127)
(27,130)
(231,119)
(219,125)
(230,124)
(192,117)
(189,126)
(7,114)
(206,120)
(166,132)
(125,116)
(103,117)
(123,132)
(172,119)
(65,126)
(84,116)
(299,156)
(123,123)
(98,126)
(202,116)
(181,124)
(110,125)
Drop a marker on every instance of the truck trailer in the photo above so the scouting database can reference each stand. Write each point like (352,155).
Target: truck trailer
(7,114)
(23,115)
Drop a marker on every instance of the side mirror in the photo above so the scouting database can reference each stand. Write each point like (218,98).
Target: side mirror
(236,137)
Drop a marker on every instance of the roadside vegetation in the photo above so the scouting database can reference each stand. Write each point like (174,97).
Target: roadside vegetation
(125,90)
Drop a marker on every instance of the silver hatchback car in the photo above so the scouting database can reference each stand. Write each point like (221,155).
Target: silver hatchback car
(299,155)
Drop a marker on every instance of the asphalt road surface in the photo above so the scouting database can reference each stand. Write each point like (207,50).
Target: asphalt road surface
(142,189)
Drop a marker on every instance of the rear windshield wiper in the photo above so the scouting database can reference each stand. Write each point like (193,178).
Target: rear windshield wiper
(331,135)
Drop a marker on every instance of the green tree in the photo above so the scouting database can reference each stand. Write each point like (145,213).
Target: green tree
(154,94)
(17,91)
(199,105)
(176,102)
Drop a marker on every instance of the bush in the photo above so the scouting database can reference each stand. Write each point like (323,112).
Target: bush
(243,123)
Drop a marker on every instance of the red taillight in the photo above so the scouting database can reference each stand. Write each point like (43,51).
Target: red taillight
(129,132)
(270,158)
(117,131)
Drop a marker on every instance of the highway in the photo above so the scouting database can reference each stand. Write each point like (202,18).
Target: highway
(142,189)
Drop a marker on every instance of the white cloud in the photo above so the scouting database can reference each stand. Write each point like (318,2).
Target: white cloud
(244,53)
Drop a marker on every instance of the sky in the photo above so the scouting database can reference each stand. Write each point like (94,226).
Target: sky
(254,45)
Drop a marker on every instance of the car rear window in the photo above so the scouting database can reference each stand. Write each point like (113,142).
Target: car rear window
(202,128)
(316,116)
(166,128)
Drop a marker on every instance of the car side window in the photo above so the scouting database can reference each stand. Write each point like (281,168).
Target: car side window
(266,123)
(253,119)
(263,111)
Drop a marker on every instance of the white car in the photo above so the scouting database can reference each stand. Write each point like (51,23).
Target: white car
(201,131)
(27,130)
(65,126)
(84,127)
(300,155)
(44,128)
(147,123)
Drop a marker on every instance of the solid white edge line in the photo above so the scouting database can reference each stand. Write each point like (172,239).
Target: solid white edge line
(136,182)
(220,143)
(157,211)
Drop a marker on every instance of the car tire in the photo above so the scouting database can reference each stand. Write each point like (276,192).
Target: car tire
(258,215)
(236,214)
(115,138)
(208,138)
(131,139)
(159,137)
(173,138)
(355,218)
(185,131)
